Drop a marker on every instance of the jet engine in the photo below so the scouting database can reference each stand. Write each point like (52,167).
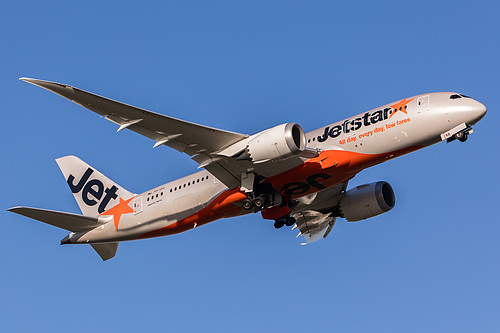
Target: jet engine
(367,201)
(277,143)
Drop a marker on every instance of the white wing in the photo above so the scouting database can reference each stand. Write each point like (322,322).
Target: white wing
(181,135)
(200,142)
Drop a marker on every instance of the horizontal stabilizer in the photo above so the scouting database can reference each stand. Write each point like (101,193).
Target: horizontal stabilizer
(106,250)
(68,221)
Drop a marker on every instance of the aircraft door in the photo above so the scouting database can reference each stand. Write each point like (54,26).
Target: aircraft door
(137,204)
(423,104)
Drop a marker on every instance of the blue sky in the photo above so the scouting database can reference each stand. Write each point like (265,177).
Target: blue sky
(431,264)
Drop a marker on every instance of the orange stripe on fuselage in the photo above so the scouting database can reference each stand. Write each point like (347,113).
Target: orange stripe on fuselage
(227,204)
(329,168)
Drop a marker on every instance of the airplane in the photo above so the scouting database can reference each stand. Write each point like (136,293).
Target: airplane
(291,177)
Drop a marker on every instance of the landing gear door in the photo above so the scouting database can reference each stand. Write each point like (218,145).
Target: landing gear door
(423,104)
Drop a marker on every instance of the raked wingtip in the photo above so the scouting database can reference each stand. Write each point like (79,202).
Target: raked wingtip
(30,80)
(49,85)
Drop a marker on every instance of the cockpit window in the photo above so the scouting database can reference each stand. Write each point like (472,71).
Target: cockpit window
(455,96)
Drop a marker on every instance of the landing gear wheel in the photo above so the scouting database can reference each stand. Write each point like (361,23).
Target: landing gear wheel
(279,224)
(247,204)
(461,136)
(259,202)
(290,221)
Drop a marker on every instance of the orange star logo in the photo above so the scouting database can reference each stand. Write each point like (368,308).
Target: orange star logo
(401,106)
(118,210)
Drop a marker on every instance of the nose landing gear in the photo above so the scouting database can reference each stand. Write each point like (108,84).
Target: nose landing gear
(460,133)
(462,136)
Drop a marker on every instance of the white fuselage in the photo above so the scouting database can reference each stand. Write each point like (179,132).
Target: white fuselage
(349,145)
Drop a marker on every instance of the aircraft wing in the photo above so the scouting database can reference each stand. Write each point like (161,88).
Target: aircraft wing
(203,143)
(184,136)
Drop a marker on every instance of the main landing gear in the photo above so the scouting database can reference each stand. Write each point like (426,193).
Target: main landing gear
(259,203)
(259,195)
(288,221)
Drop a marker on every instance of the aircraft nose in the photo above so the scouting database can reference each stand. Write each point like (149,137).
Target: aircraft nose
(478,111)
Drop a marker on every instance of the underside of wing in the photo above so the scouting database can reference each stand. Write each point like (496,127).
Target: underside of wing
(216,150)
(313,213)
(223,153)
(184,136)
(314,225)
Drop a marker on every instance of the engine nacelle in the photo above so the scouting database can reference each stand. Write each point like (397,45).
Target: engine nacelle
(367,201)
(277,143)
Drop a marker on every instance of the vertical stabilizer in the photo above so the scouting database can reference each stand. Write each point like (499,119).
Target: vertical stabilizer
(94,192)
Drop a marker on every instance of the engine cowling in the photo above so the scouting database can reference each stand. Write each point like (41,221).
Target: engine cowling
(277,143)
(367,201)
